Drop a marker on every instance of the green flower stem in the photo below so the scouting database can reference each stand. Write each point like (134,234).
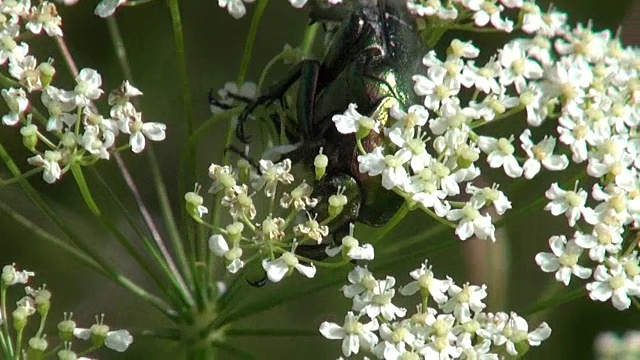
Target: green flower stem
(18,352)
(43,322)
(6,81)
(170,222)
(122,239)
(22,176)
(47,236)
(171,273)
(395,220)
(3,307)
(251,38)
(118,46)
(187,168)
(110,271)
(3,345)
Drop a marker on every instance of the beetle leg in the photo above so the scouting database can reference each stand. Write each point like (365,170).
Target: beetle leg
(274,93)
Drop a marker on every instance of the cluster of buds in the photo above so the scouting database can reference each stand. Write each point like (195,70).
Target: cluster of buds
(38,301)
(456,328)
(74,133)
(270,236)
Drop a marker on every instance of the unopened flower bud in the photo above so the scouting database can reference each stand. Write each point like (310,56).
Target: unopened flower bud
(20,318)
(193,203)
(234,231)
(66,354)
(65,329)
(337,203)
(366,125)
(37,346)
(47,71)
(29,136)
(98,334)
(320,163)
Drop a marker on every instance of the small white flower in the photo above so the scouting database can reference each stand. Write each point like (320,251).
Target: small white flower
(571,203)
(517,67)
(541,154)
(351,120)
(118,340)
(298,3)
(139,131)
(355,334)
(381,301)
(17,102)
(235,7)
(390,166)
(604,239)
(46,17)
(9,49)
(11,276)
(88,87)
(56,102)
(50,164)
(563,260)
(218,245)
(271,175)
(106,8)
(465,300)
(437,89)
(472,222)
(278,268)
(500,154)
(362,283)
(426,283)
(352,249)
(612,282)
(489,196)
(516,330)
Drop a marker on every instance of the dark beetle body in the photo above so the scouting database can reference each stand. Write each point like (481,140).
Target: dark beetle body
(370,61)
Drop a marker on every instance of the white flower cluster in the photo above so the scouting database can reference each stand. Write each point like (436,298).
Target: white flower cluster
(74,132)
(39,301)
(457,329)
(274,238)
(584,81)
(237,9)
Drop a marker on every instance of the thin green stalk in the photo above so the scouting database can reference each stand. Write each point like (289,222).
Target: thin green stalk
(47,236)
(3,345)
(178,38)
(393,222)
(78,175)
(251,38)
(18,343)
(170,222)
(3,308)
(113,273)
(149,246)
(118,44)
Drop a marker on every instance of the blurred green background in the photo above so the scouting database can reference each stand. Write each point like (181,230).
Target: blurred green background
(214,47)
